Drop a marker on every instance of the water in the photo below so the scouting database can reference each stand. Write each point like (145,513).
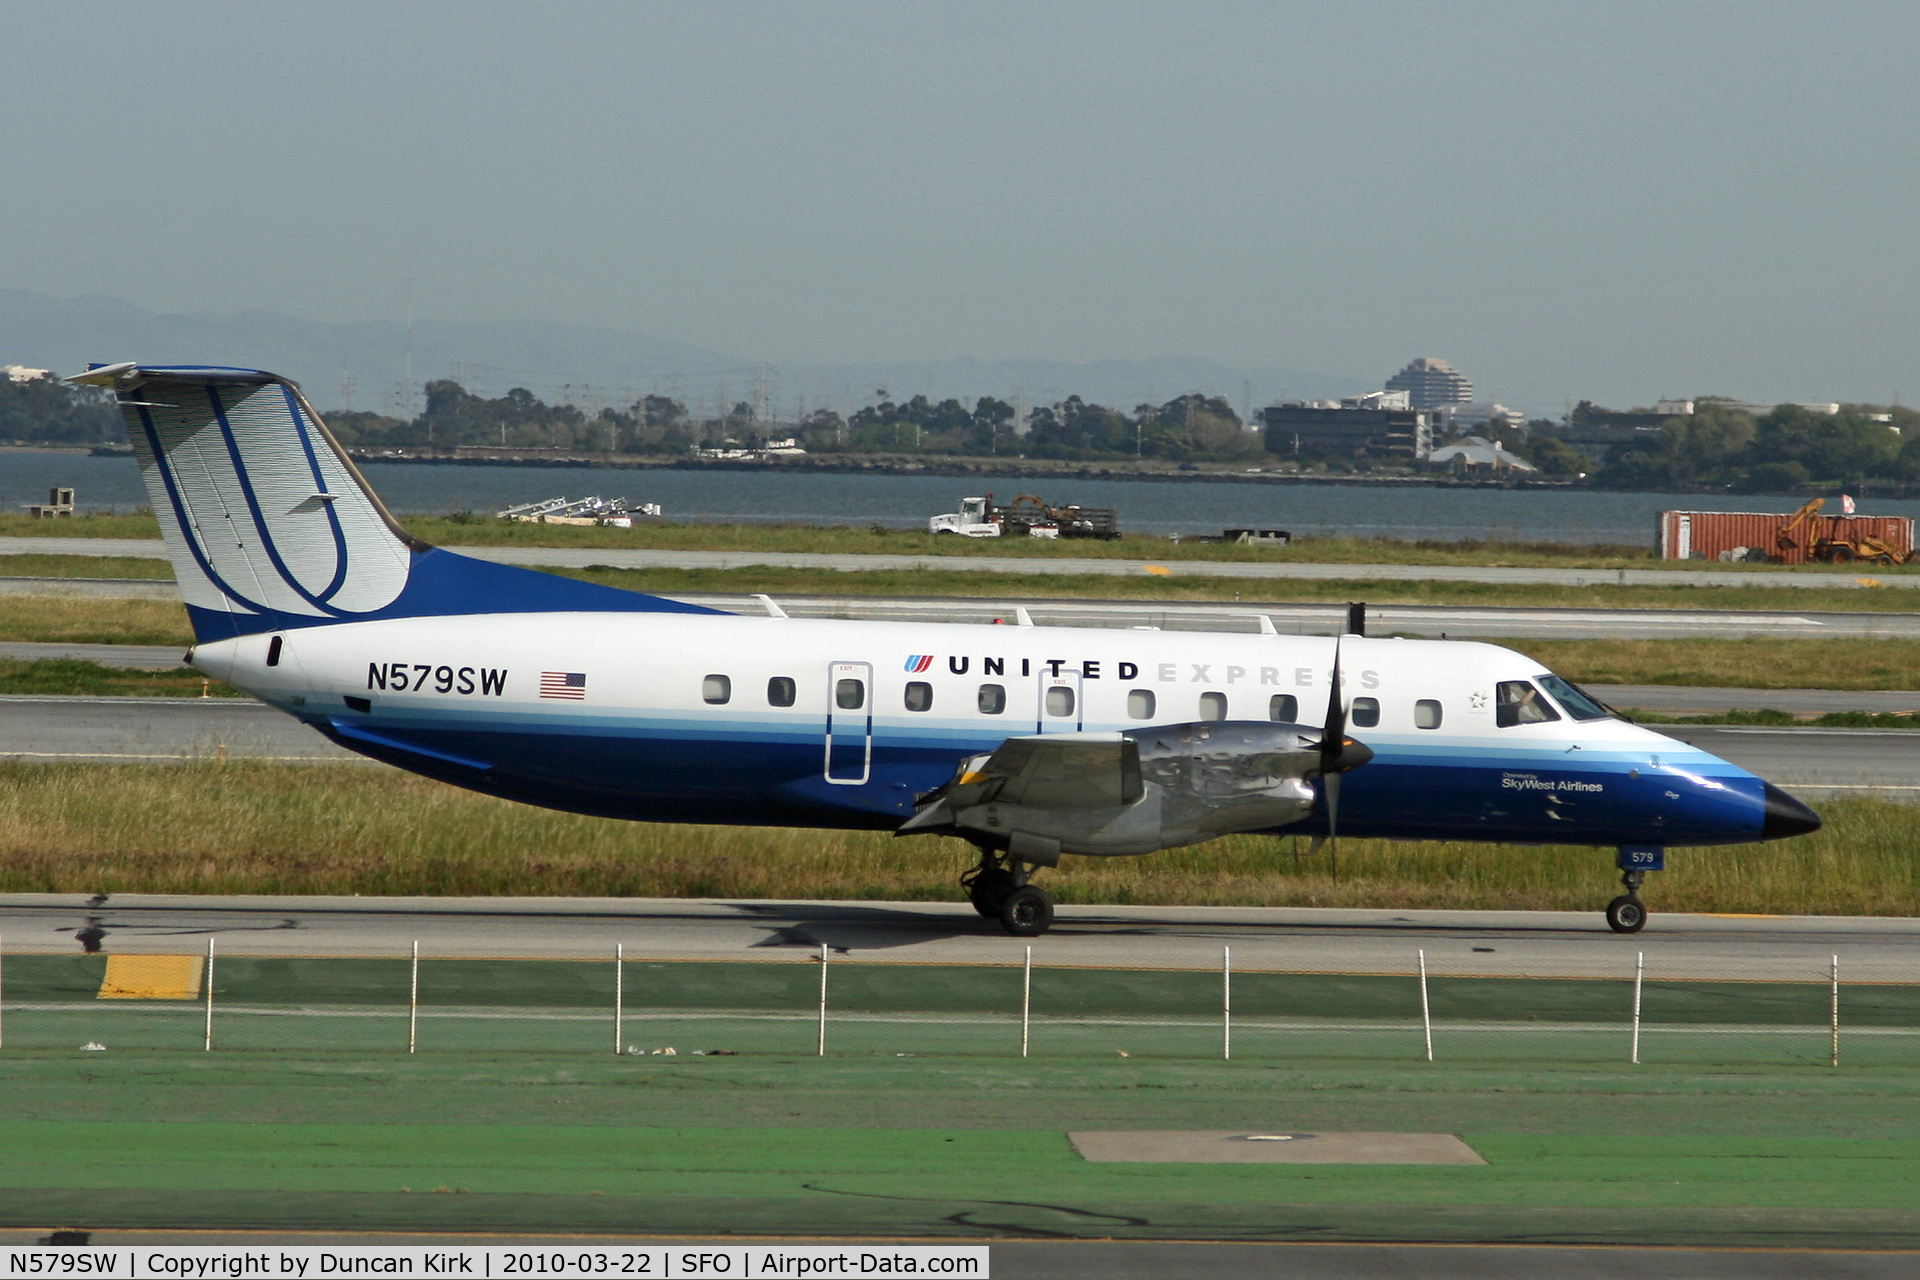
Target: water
(1526,515)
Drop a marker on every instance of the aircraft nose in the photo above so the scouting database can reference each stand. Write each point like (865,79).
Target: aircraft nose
(1786,816)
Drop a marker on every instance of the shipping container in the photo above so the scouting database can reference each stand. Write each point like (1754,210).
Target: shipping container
(1755,536)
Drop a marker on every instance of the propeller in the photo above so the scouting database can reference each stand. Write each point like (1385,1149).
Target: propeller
(1338,753)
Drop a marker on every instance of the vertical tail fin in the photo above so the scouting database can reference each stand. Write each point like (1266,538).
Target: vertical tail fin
(267,522)
(270,526)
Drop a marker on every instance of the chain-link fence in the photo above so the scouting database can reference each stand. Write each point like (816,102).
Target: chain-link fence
(1646,1005)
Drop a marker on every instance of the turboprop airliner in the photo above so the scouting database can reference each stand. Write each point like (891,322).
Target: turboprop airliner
(1030,743)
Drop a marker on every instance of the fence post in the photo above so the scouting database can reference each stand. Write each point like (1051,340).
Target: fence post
(1226,1004)
(207,1045)
(1836,1011)
(1426,1010)
(1026,1002)
(413,1001)
(823,1000)
(619,994)
(1639,974)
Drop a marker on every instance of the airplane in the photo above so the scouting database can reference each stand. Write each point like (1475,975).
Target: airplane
(1030,743)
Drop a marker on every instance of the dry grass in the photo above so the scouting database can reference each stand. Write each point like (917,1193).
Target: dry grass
(486,531)
(73,677)
(56,619)
(44,566)
(140,525)
(1249,591)
(256,828)
(1757,663)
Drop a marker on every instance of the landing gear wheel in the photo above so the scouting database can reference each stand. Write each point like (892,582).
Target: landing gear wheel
(1626,914)
(988,888)
(1026,912)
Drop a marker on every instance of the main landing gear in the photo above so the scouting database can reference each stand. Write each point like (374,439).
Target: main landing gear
(999,890)
(1626,913)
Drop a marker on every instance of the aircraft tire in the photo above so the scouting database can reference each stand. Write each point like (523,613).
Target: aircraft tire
(1626,914)
(1026,912)
(988,890)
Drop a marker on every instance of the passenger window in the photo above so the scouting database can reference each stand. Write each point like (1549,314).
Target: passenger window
(1213,706)
(716,689)
(1060,701)
(1426,714)
(919,695)
(780,691)
(1365,712)
(1517,702)
(1140,704)
(1284,707)
(993,699)
(850,695)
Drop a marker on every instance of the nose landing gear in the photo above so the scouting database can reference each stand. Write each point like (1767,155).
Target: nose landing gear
(1626,913)
(998,890)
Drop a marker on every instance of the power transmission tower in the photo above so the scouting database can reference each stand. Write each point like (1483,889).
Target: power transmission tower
(408,404)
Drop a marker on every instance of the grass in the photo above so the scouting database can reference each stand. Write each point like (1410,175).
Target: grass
(93,620)
(46,566)
(136,525)
(247,827)
(1760,662)
(896,583)
(485,531)
(75,677)
(1831,720)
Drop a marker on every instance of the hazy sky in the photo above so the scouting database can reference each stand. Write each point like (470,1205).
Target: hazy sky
(1616,201)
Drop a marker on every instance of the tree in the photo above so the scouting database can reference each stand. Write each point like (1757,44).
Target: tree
(49,411)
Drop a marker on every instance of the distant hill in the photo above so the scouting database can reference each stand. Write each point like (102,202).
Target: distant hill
(578,364)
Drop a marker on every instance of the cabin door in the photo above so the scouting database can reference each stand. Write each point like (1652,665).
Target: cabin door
(1060,709)
(849,751)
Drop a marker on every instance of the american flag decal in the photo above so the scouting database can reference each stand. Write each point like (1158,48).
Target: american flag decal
(563,684)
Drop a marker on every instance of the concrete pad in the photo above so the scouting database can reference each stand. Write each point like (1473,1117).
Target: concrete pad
(1269,1146)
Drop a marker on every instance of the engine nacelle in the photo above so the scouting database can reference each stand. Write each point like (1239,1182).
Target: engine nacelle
(1137,792)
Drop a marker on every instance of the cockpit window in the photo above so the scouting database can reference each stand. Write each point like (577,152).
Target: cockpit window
(1574,700)
(1517,702)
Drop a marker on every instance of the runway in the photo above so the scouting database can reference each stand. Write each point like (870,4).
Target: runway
(1305,940)
(640,558)
(1812,763)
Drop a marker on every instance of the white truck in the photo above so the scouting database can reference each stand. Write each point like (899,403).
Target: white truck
(972,520)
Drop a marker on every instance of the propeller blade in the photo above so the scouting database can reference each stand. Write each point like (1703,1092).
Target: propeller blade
(1332,742)
(1332,783)
(1335,731)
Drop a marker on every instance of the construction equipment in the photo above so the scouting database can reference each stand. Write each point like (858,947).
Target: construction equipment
(1026,515)
(615,512)
(1809,536)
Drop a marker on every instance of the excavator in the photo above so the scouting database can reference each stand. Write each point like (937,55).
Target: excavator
(1803,533)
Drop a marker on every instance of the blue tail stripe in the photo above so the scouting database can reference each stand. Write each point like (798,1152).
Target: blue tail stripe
(188,530)
(259,518)
(320,486)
